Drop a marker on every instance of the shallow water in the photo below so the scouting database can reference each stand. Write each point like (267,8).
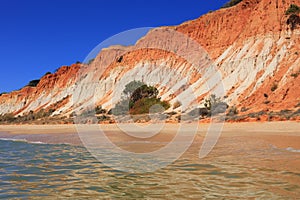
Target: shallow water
(237,168)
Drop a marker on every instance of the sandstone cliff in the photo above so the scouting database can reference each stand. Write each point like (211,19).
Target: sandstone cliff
(247,54)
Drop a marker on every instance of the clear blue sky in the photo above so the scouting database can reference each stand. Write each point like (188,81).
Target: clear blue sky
(38,36)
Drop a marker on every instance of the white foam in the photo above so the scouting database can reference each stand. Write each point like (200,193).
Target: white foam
(37,142)
(14,139)
(291,149)
(22,140)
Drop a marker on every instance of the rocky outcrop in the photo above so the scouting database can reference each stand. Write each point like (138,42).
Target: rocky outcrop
(247,54)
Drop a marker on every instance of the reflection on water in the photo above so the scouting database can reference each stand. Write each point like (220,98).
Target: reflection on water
(237,168)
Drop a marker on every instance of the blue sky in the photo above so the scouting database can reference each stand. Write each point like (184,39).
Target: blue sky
(38,36)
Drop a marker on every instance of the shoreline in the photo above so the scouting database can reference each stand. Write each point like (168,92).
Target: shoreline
(71,128)
(279,134)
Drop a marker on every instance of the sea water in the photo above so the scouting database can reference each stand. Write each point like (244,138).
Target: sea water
(37,170)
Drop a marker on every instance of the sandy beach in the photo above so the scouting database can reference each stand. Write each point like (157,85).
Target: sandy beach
(280,134)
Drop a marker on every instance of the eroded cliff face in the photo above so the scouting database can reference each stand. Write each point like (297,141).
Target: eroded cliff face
(47,93)
(247,54)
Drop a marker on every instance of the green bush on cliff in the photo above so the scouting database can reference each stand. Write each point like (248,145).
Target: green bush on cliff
(8,118)
(132,86)
(274,87)
(33,83)
(90,61)
(100,110)
(293,21)
(215,105)
(139,98)
(146,105)
(233,111)
(293,9)
(28,117)
(143,92)
(231,3)
(121,108)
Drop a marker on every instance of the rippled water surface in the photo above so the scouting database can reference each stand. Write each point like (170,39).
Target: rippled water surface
(235,169)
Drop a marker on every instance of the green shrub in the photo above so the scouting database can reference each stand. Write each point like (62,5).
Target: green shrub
(90,61)
(121,108)
(171,113)
(178,118)
(293,9)
(274,87)
(88,113)
(215,105)
(143,106)
(197,112)
(297,112)
(295,75)
(8,118)
(243,109)
(233,111)
(143,91)
(73,114)
(131,87)
(231,3)
(293,21)
(139,98)
(119,59)
(100,110)
(177,104)
(103,118)
(31,115)
(257,114)
(33,83)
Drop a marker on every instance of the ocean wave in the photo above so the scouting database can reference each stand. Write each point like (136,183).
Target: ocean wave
(34,142)
(14,139)
(291,149)
(22,140)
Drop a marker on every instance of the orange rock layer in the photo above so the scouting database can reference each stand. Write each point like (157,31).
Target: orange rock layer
(252,35)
